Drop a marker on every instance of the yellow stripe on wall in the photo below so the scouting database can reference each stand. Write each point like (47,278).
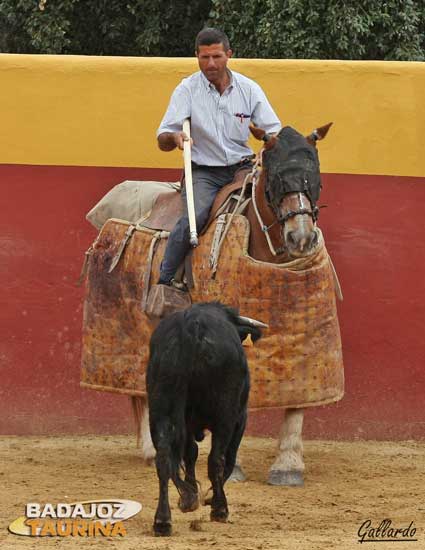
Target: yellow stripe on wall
(104,111)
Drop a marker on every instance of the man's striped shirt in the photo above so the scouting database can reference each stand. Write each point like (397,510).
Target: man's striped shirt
(219,123)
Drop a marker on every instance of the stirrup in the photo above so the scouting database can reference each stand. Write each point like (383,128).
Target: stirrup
(179,285)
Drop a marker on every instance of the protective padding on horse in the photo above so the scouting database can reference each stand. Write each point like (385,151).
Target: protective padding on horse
(297,363)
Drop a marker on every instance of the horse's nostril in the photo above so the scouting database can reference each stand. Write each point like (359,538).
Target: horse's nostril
(314,239)
(291,238)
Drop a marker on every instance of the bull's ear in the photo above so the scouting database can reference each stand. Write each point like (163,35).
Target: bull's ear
(318,134)
(248,343)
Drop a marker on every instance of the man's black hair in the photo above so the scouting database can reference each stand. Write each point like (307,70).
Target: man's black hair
(209,36)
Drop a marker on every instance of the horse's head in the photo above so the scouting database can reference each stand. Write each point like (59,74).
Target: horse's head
(291,178)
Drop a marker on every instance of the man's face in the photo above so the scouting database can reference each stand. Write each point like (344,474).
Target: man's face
(213,60)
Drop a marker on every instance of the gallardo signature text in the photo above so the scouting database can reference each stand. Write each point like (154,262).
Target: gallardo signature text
(385,532)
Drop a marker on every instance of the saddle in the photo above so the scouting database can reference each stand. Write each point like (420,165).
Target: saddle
(168,207)
(166,211)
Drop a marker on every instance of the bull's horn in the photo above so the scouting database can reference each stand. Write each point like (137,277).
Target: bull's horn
(253,322)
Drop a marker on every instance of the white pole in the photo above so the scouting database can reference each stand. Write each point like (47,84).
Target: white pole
(189,185)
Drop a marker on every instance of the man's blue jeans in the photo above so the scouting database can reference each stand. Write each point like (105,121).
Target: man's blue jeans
(207,182)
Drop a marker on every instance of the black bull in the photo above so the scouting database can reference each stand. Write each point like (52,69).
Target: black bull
(197,379)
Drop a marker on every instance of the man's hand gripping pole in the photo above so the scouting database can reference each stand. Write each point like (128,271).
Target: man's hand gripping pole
(189,185)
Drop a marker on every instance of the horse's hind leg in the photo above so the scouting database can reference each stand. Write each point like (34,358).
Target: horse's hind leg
(144,439)
(148,450)
(288,468)
(189,498)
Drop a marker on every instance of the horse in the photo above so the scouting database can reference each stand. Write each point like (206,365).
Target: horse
(283,217)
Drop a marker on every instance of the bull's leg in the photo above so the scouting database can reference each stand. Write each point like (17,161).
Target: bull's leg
(288,467)
(216,465)
(189,499)
(162,522)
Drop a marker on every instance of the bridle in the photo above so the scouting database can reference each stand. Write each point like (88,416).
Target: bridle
(312,212)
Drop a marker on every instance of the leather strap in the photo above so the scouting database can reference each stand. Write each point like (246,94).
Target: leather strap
(123,244)
(147,276)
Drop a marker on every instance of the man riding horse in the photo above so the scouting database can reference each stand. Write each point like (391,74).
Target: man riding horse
(274,266)
(221,105)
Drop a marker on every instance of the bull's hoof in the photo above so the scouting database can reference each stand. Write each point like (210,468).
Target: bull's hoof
(237,474)
(293,478)
(219,515)
(162,528)
(189,502)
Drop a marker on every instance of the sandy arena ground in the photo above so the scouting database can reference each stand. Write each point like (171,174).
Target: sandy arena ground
(346,484)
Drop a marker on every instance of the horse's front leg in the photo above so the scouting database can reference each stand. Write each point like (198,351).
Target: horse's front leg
(288,468)
(237,474)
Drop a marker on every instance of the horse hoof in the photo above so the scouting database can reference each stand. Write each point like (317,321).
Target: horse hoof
(288,479)
(162,529)
(189,502)
(219,515)
(148,456)
(237,474)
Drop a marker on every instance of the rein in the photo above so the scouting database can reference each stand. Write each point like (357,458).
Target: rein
(264,228)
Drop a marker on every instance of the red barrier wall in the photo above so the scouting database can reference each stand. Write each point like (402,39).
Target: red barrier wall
(372,228)
(62,116)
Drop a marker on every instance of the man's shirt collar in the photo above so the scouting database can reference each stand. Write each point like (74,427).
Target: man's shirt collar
(210,87)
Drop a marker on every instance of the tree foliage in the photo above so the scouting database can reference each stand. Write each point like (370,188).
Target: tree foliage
(330,29)
(101,27)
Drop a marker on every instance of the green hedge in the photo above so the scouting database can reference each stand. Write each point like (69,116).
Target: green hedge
(330,29)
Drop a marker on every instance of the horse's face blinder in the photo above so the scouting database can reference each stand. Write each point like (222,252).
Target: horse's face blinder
(293,170)
(275,202)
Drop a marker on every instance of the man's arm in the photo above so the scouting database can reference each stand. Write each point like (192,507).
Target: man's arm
(263,114)
(168,141)
(169,133)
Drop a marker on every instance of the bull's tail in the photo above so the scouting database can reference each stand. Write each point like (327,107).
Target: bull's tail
(169,447)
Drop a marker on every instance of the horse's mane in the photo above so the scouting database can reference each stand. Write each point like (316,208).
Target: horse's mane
(292,165)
